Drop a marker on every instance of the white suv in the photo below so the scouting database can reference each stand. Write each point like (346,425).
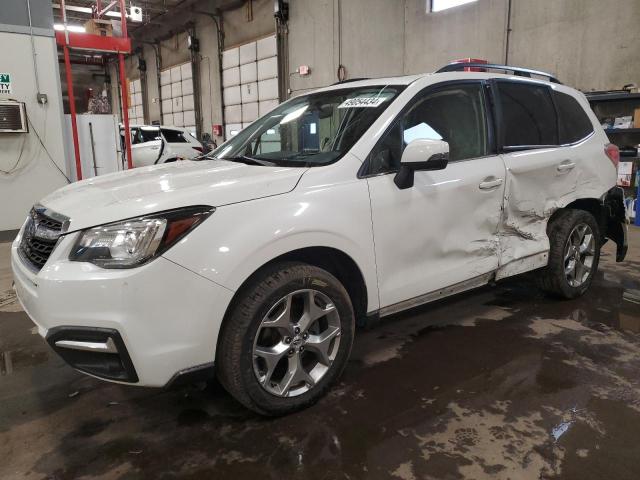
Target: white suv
(151,144)
(357,200)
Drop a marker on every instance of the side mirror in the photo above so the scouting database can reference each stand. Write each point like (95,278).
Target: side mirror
(421,154)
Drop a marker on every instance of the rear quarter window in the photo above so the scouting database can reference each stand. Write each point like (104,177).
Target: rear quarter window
(174,136)
(573,123)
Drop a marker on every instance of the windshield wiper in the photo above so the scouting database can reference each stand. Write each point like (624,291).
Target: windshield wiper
(249,160)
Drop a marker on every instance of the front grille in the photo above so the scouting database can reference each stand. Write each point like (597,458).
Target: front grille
(40,236)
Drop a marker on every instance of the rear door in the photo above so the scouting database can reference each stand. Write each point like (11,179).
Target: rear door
(177,145)
(146,146)
(543,169)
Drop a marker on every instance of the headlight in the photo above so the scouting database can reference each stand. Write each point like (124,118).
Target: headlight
(133,242)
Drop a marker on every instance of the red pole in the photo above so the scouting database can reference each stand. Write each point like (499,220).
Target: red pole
(123,19)
(72,98)
(72,110)
(125,110)
(125,89)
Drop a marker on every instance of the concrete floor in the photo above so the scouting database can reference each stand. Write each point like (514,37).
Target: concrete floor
(498,383)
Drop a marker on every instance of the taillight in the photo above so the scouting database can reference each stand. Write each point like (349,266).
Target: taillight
(613,152)
(199,149)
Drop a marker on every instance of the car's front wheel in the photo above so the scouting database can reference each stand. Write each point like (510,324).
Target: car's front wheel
(286,339)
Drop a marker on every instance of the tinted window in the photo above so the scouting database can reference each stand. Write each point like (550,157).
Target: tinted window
(453,114)
(135,136)
(149,134)
(173,136)
(573,122)
(528,115)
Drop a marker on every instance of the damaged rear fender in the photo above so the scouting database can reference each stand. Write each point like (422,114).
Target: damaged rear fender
(610,214)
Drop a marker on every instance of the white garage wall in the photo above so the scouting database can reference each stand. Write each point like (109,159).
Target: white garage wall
(178,102)
(136,110)
(250,82)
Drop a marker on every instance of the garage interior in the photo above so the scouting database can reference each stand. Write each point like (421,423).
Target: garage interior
(498,382)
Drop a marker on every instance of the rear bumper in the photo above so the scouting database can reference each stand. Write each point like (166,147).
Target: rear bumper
(144,326)
(617,221)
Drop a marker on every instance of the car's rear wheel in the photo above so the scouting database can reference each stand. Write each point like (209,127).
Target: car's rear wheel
(574,254)
(286,339)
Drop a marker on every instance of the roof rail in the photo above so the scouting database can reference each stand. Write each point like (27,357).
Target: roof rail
(349,80)
(522,72)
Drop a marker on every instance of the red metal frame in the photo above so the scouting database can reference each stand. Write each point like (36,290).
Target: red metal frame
(94,43)
(84,41)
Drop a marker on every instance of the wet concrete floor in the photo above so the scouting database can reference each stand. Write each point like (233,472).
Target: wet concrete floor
(498,383)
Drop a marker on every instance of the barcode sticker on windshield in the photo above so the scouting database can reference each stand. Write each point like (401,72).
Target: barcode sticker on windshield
(362,102)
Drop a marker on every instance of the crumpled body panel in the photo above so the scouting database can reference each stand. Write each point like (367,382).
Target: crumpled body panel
(539,182)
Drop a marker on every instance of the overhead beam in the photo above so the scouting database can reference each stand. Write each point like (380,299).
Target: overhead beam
(85,41)
(176,18)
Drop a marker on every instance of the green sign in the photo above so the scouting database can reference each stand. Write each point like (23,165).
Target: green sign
(5,83)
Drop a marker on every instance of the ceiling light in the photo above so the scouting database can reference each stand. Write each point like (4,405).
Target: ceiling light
(70,28)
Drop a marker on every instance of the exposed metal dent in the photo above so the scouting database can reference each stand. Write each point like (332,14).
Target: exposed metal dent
(515,229)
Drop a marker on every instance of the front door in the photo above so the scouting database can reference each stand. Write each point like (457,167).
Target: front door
(442,231)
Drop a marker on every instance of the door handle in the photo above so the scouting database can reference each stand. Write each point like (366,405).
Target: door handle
(490,182)
(154,148)
(566,166)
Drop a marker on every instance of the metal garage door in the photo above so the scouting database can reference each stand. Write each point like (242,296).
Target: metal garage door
(178,102)
(250,82)
(136,111)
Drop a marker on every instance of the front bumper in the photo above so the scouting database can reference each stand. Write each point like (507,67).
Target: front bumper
(100,352)
(162,318)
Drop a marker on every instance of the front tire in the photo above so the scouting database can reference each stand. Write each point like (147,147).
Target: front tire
(287,338)
(574,254)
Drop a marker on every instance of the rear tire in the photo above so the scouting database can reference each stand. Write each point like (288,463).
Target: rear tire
(574,254)
(286,339)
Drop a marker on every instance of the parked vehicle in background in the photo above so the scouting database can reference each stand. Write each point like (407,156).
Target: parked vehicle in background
(357,200)
(152,145)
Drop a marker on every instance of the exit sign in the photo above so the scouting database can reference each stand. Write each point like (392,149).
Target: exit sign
(5,83)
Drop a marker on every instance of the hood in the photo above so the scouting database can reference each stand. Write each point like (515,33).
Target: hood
(146,190)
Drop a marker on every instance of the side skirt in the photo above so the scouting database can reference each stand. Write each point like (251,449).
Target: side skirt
(470,284)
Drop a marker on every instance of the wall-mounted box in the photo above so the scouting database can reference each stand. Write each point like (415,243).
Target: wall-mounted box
(13,117)
(102,28)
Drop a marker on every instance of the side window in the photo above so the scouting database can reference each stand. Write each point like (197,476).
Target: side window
(149,134)
(573,122)
(135,136)
(454,114)
(528,115)
(173,136)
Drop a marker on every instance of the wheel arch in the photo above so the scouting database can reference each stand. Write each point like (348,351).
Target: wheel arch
(592,205)
(335,261)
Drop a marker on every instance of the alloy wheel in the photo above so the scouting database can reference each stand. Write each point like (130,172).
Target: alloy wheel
(579,255)
(296,343)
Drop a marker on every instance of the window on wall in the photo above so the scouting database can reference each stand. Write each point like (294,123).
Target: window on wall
(439,5)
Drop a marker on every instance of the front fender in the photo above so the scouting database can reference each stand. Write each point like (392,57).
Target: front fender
(240,238)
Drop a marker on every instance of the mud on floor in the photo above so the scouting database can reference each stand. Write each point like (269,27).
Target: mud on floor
(498,383)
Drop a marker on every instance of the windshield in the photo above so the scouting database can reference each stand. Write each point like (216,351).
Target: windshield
(309,130)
